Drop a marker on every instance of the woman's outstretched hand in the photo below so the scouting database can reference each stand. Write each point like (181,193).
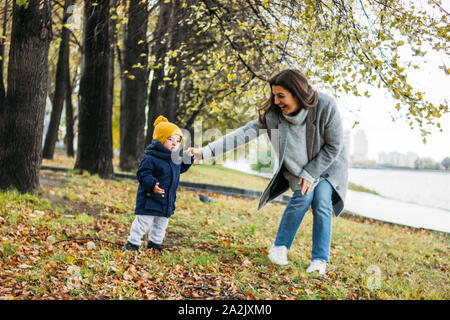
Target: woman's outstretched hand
(306,186)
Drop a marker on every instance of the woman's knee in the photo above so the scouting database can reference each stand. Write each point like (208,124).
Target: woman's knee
(322,204)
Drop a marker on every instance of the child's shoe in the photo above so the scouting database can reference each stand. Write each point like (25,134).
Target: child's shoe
(130,246)
(152,245)
(317,265)
(278,255)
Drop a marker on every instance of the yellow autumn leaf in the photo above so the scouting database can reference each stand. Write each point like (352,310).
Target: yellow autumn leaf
(69,258)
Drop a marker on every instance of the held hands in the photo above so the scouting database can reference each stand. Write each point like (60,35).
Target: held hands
(306,186)
(197,153)
(190,151)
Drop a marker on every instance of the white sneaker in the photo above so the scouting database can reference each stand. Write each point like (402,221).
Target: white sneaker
(317,265)
(278,255)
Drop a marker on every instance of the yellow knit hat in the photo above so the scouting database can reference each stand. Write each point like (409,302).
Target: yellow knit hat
(165,129)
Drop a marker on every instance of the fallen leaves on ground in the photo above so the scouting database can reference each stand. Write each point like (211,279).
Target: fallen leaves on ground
(211,251)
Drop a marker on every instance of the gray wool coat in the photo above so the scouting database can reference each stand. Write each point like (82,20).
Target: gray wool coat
(326,151)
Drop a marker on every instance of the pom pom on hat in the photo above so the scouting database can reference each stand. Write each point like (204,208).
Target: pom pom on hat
(165,129)
(159,120)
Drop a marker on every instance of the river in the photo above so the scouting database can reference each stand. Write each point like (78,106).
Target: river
(419,199)
(426,188)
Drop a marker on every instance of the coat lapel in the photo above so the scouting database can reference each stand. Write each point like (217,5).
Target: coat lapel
(282,132)
(310,131)
(282,142)
(282,136)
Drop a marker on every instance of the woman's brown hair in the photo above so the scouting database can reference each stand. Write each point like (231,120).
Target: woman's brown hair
(297,84)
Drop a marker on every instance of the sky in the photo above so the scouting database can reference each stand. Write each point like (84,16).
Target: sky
(374,113)
(384,135)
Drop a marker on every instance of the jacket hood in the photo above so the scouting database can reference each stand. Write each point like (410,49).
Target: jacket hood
(158,150)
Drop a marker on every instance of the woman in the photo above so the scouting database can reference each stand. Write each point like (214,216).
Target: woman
(305,129)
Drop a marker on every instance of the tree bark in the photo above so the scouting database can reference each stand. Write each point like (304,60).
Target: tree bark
(60,87)
(171,33)
(2,60)
(132,110)
(159,49)
(69,117)
(23,115)
(169,95)
(94,152)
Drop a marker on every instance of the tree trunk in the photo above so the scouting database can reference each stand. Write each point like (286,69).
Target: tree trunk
(171,33)
(69,117)
(94,152)
(132,111)
(169,96)
(2,59)
(23,115)
(159,49)
(60,87)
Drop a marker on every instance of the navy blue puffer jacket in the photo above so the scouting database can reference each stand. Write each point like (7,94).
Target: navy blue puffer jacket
(158,166)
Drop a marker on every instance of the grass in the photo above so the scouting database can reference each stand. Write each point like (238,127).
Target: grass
(214,174)
(212,251)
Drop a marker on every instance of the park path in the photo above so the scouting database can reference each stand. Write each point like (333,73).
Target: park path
(398,212)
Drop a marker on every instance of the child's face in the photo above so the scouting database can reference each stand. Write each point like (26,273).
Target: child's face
(173,142)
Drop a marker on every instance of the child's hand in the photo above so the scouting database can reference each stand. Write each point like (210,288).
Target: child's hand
(158,190)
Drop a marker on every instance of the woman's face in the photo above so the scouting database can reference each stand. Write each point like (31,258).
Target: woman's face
(285,100)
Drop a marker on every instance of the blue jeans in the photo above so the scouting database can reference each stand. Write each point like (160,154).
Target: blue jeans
(320,201)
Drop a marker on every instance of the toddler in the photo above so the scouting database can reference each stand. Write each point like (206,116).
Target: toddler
(158,177)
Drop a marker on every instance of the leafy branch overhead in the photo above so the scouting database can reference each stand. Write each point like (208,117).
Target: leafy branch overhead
(199,60)
(340,45)
(216,54)
(208,59)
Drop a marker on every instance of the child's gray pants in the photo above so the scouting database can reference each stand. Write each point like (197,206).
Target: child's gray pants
(143,223)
